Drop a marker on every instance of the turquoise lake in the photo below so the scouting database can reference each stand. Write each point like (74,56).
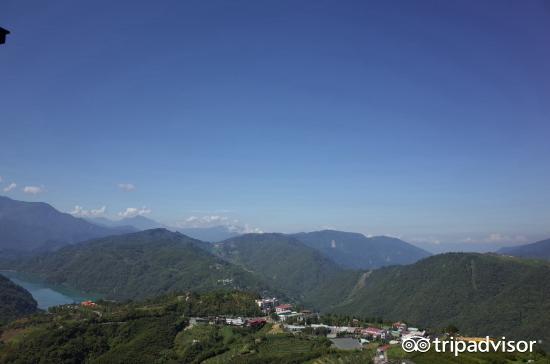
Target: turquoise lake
(46,295)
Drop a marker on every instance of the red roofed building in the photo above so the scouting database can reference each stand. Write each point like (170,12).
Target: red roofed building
(256,322)
(283,308)
(88,304)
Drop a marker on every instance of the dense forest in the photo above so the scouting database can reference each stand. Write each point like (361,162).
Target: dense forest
(15,301)
(299,271)
(139,265)
(482,294)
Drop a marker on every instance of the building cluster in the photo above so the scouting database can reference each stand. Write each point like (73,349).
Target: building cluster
(231,321)
(267,305)
(392,334)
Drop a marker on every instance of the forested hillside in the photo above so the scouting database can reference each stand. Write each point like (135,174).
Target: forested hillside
(139,265)
(155,331)
(15,301)
(482,294)
(289,265)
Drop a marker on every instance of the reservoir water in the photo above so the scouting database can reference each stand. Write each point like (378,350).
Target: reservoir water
(46,295)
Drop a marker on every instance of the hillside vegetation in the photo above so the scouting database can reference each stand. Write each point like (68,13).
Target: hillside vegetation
(15,301)
(154,331)
(160,331)
(139,265)
(481,294)
(290,266)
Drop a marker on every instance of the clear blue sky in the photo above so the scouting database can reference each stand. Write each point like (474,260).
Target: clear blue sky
(428,120)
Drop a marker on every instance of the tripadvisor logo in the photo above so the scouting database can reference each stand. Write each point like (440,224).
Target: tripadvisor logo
(472,345)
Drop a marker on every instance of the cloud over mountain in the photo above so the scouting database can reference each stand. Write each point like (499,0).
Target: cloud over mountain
(208,221)
(134,211)
(33,190)
(81,212)
(10,187)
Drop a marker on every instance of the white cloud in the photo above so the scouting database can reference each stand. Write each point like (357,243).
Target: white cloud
(134,211)
(10,187)
(33,190)
(217,220)
(126,187)
(81,212)
(208,220)
(247,229)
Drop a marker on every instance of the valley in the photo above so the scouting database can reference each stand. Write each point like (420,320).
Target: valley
(139,279)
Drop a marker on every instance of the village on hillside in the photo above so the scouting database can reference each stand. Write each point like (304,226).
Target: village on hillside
(352,336)
(284,316)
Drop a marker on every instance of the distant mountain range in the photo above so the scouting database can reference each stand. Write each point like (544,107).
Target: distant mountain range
(210,234)
(37,226)
(137,222)
(356,251)
(538,250)
(27,226)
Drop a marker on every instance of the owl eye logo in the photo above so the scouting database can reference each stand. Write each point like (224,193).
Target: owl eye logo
(416,344)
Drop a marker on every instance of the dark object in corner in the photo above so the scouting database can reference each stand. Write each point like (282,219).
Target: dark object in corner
(3,33)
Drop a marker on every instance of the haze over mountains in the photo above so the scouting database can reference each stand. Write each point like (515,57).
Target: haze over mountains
(27,226)
(211,233)
(538,250)
(330,271)
(356,251)
(480,293)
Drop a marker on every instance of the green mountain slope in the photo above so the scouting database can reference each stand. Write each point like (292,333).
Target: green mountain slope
(356,251)
(146,332)
(159,331)
(15,301)
(481,294)
(292,267)
(139,265)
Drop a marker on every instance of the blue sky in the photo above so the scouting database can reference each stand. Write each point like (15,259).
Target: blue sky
(427,120)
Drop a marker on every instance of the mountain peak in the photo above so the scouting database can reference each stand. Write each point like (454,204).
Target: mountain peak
(356,251)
